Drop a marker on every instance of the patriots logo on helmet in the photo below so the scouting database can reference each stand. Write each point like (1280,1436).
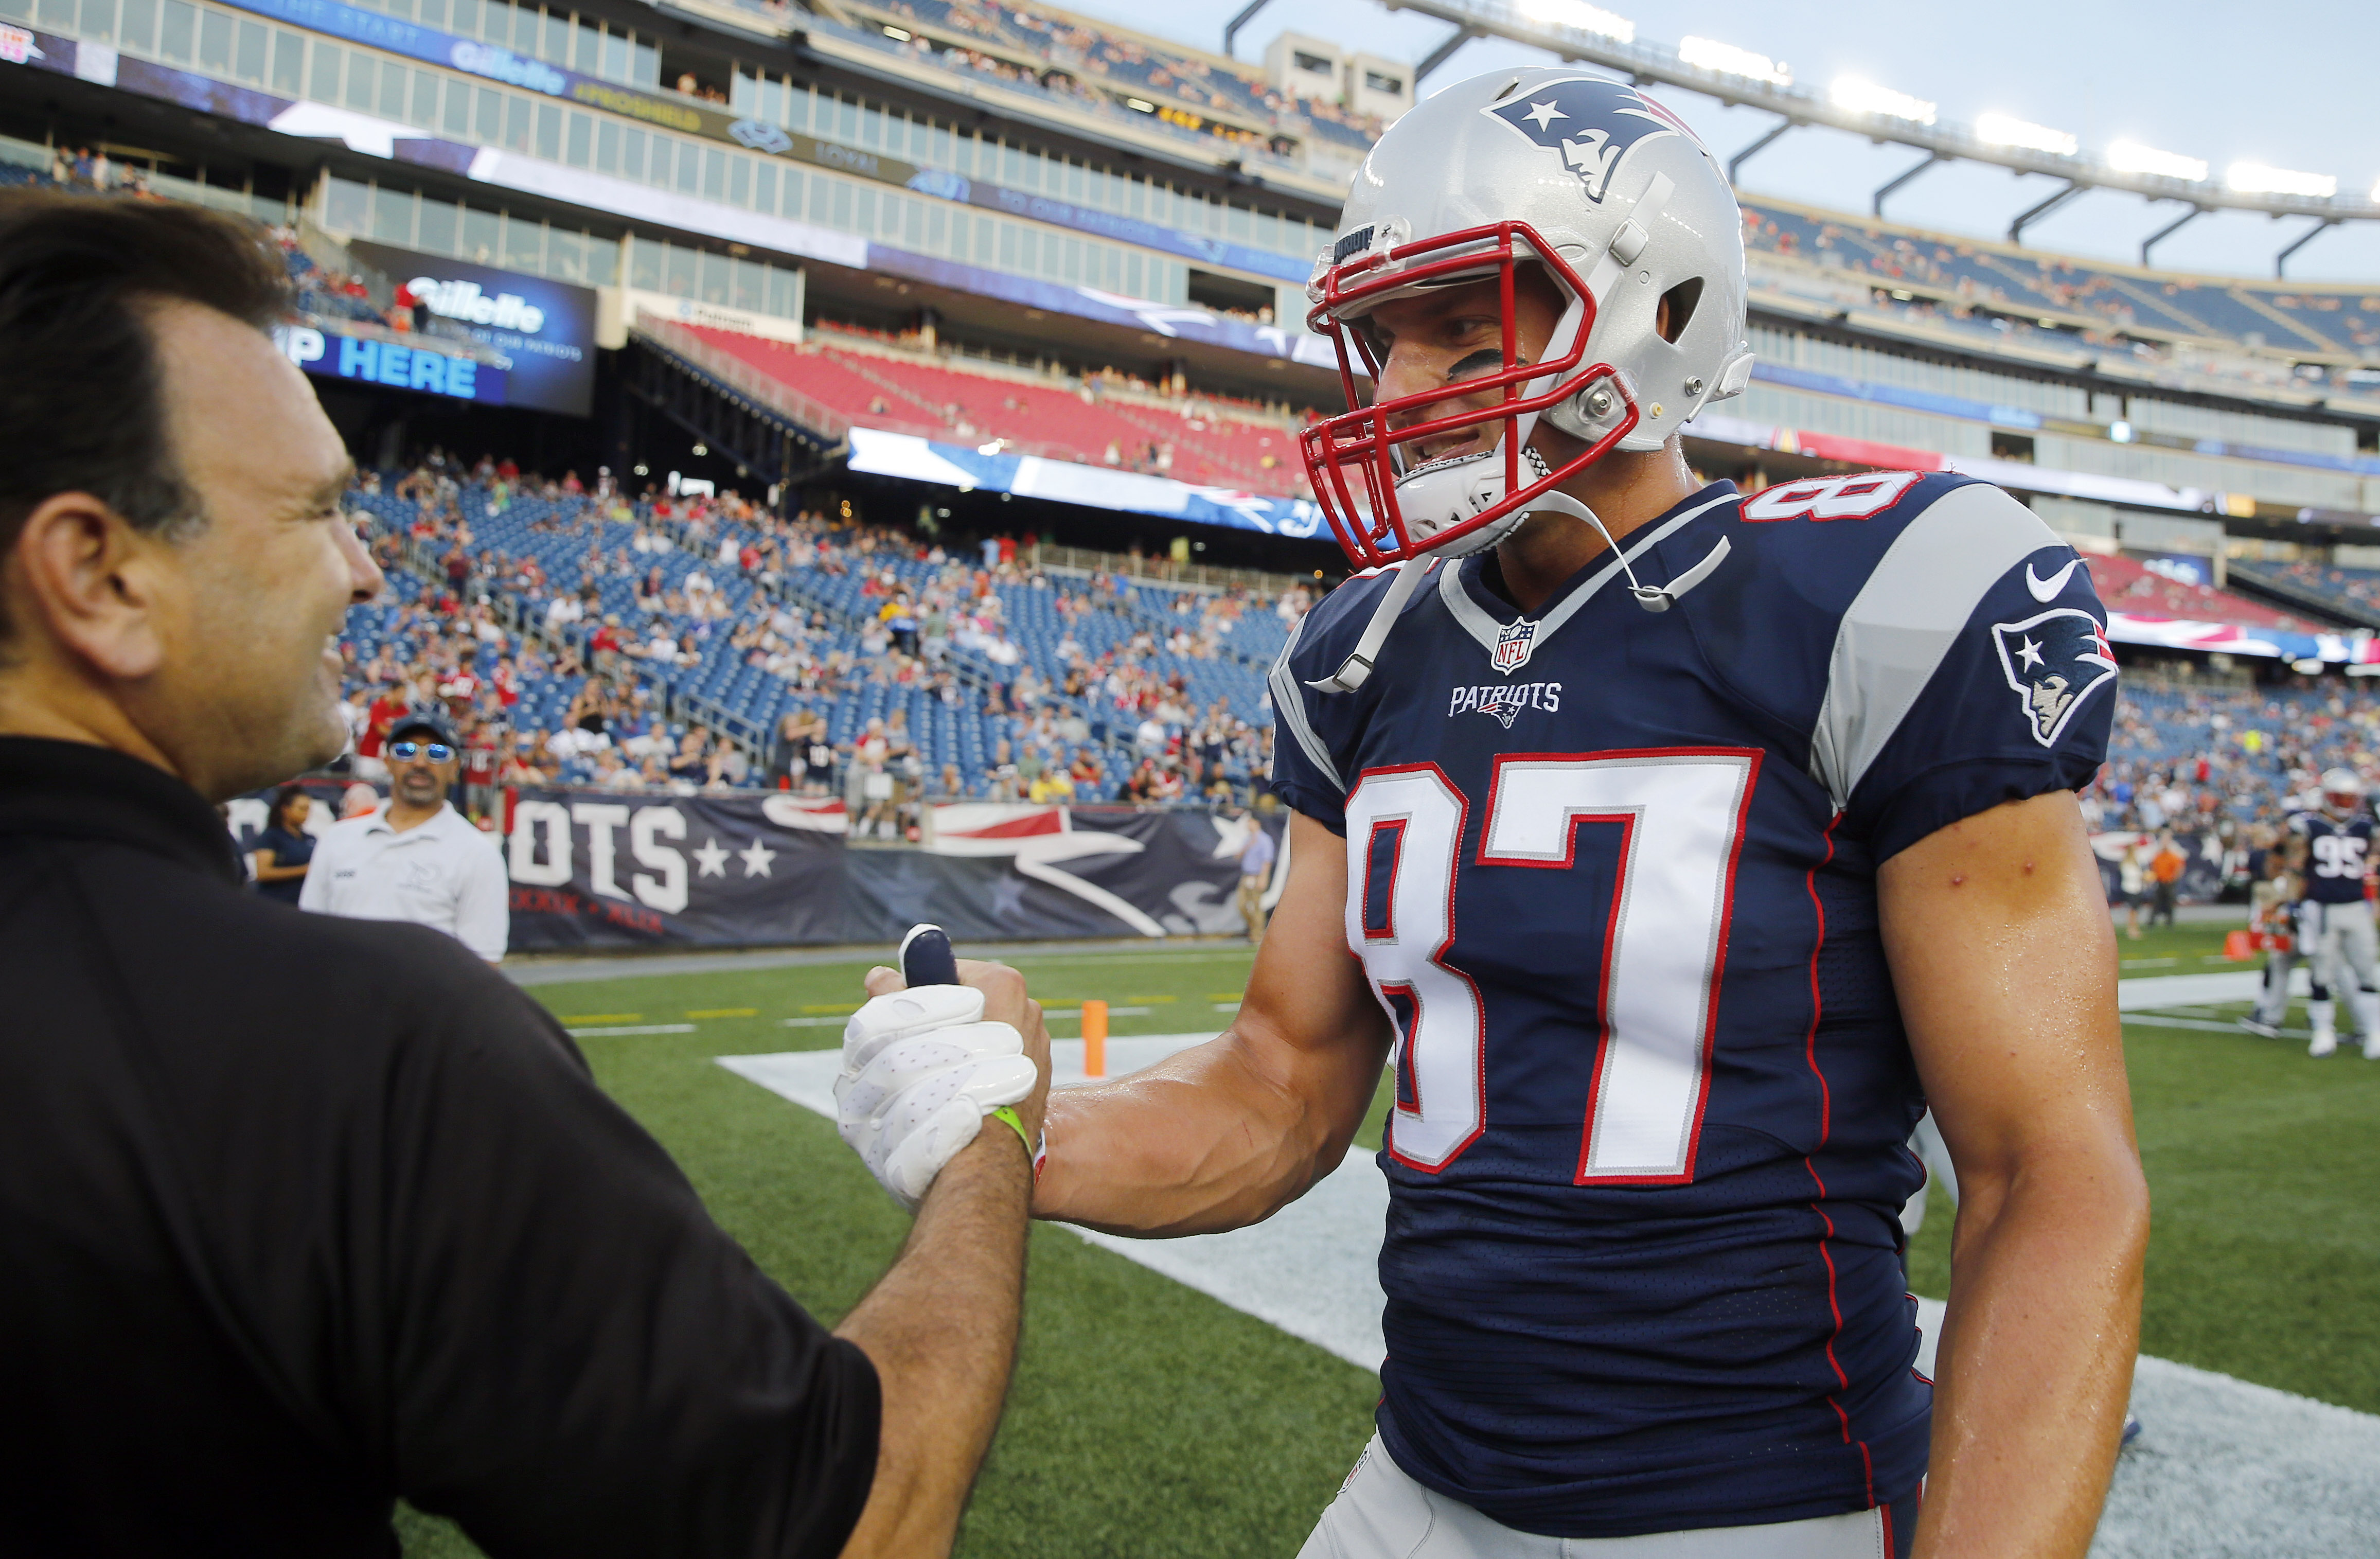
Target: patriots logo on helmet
(1591,122)
(2054,662)
(1515,641)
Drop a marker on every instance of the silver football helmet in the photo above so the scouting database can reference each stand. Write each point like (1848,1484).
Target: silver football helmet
(1621,207)
(2342,793)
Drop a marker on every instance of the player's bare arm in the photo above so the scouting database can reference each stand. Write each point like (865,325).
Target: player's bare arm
(1225,1134)
(940,1326)
(2004,958)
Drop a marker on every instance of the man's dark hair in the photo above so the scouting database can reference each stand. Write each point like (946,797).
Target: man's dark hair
(81,392)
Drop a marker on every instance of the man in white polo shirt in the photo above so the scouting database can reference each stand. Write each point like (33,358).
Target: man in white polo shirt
(415,857)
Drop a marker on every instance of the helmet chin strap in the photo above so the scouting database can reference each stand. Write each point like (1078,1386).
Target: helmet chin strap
(1357,669)
(1653,598)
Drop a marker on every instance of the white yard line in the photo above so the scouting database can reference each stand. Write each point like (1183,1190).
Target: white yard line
(637,1028)
(2224,1470)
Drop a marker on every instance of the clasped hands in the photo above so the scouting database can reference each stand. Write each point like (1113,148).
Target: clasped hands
(923,1068)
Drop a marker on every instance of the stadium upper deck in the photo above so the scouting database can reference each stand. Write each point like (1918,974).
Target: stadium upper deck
(1077,201)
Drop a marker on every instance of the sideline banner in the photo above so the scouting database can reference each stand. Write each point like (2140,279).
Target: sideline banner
(726,870)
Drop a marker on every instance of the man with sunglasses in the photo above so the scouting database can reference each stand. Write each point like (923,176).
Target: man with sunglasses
(415,857)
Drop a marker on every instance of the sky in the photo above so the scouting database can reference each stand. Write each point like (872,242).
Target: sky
(2293,86)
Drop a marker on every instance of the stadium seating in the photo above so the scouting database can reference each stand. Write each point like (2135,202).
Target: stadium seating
(2126,584)
(2236,756)
(1146,639)
(1973,273)
(877,385)
(1062,51)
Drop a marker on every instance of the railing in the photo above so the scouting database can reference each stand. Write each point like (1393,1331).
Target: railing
(744,380)
(1164,571)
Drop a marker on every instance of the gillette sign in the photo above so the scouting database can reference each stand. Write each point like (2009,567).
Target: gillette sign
(464,301)
(543,329)
(503,64)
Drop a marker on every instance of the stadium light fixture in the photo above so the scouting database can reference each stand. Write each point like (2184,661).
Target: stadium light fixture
(1865,97)
(2130,156)
(1579,15)
(1709,53)
(2257,178)
(2006,130)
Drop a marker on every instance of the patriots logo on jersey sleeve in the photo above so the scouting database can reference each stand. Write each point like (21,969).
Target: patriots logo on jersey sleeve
(2054,662)
(1591,122)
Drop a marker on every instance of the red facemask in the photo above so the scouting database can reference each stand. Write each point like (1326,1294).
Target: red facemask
(1352,458)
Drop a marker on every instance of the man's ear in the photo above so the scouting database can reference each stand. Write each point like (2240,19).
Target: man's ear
(84,579)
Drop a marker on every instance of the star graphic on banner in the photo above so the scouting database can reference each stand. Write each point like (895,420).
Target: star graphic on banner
(757,859)
(1007,897)
(2029,652)
(711,859)
(1544,114)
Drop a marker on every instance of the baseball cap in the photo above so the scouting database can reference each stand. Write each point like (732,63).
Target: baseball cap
(436,728)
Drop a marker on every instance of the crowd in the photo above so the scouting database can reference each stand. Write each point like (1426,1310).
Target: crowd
(1095,681)
(473,633)
(2225,768)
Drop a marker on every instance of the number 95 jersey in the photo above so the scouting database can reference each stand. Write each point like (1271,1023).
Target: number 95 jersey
(1611,874)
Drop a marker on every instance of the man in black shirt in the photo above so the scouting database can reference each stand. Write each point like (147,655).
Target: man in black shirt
(276,1250)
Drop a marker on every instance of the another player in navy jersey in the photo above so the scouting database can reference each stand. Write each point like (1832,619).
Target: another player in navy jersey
(2333,914)
(1674,849)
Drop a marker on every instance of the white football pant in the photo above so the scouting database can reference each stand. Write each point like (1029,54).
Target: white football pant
(1383,1513)
(1940,1174)
(2343,960)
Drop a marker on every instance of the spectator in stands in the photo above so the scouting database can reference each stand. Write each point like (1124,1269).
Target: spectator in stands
(1255,873)
(2165,872)
(2131,884)
(278,861)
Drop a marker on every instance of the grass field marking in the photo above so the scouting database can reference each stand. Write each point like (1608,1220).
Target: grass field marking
(725,1012)
(2148,962)
(811,1023)
(637,1028)
(1231,996)
(1076,1012)
(1227,1007)
(1157,999)
(605,1018)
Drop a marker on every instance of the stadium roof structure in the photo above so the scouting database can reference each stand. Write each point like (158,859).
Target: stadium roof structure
(1575,30)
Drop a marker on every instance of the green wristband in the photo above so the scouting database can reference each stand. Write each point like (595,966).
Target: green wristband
(1016,1123)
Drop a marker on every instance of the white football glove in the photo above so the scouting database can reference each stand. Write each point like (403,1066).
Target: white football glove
(920,1070)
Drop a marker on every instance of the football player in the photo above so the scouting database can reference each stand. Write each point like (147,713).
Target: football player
(1674,849)
(2335,918)
(2276,909)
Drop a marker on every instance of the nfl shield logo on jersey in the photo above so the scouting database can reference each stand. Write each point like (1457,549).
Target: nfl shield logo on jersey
(1513,643)
(2054,662)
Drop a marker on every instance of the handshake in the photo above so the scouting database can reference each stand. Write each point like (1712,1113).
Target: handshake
(923,1068)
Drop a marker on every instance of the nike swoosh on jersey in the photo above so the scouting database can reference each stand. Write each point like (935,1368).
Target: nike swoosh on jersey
(2047,589)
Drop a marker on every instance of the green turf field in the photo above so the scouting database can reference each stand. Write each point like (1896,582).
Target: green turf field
(1148,1419)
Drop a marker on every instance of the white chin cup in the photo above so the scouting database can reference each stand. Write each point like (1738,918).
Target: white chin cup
(1444,494)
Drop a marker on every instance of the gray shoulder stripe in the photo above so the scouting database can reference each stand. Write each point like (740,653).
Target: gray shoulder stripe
(1289,708)
(1905,620)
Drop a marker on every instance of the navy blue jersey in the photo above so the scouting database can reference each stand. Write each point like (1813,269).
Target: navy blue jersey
(2338,852)
(1612,875)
